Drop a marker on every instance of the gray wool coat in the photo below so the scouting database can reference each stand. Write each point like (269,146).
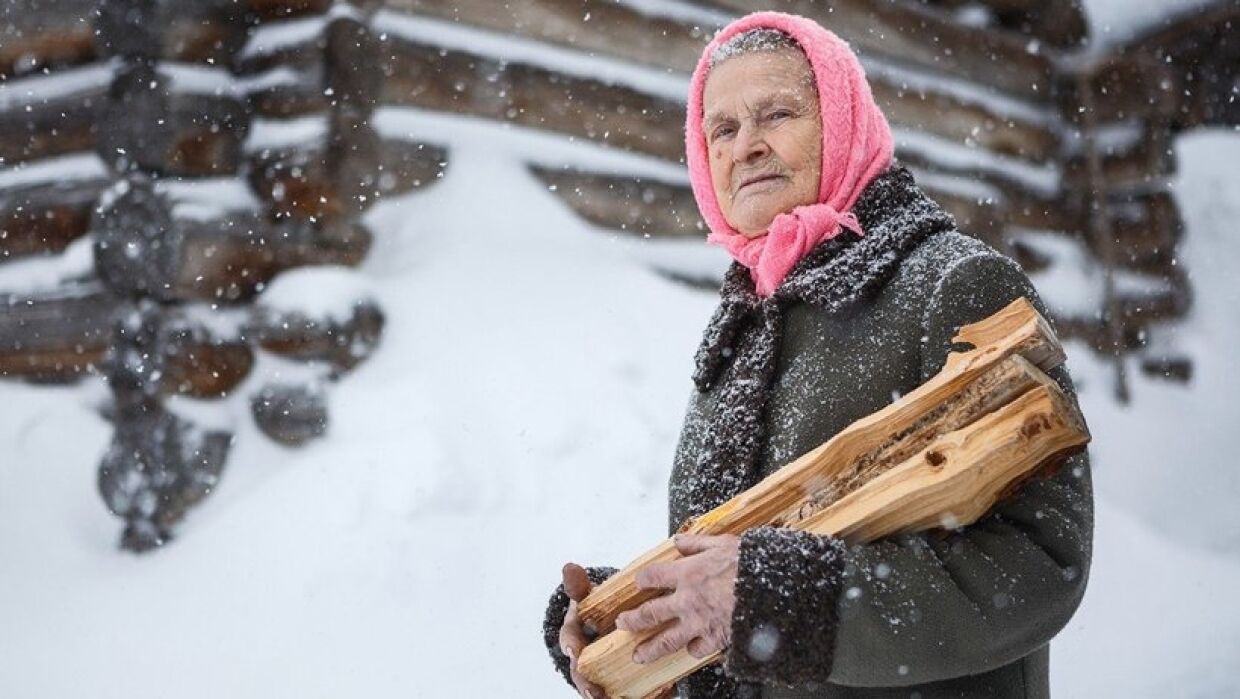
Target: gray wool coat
(961,613)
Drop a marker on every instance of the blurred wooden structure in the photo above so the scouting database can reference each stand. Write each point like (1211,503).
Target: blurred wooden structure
(201,148)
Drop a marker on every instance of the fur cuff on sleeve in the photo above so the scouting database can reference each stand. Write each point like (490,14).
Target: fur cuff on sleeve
(787,586)
(557,607)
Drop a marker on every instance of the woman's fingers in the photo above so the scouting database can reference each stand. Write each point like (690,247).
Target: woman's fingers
(576,581)
(648,615)
(667,642)
(689,544)
(658,576)
(701,647)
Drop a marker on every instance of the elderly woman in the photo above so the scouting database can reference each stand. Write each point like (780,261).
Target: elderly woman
(847,287)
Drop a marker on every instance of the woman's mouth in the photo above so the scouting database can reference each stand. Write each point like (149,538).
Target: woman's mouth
(759,181)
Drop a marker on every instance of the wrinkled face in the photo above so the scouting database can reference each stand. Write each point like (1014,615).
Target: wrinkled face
(764,136)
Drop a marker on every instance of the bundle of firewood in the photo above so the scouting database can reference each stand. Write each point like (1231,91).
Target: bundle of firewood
(940,456)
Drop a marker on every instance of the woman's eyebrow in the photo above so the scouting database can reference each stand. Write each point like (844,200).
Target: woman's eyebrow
(760,105)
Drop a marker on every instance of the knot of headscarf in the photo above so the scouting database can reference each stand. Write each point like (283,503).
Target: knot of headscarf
(857,146)
(789,238)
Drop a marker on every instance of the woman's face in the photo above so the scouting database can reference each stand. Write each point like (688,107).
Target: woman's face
(764,135)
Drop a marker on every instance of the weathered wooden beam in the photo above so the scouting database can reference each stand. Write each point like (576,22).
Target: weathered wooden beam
(57,335)
(47,115)
(338,170)
(272,10)
(339,343)
(201,31)
(45,34)
(641,206)
(611,29)
(422,75)
(43,217)
(333,55)
(291,414)
(173,120)
(206,240)
(1059,23)
(919,99)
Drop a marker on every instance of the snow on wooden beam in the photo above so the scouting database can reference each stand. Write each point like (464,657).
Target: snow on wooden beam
(206,239)
(47,115)
(327,61)
(917,99)
(173,119)
(46,205)
(423,75)
(56,335)
(611,29)
(39,34)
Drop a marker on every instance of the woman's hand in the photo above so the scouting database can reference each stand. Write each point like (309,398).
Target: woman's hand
(573,636)
(697,611)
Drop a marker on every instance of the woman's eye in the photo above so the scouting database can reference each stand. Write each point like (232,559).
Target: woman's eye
(780,114)
(721,132)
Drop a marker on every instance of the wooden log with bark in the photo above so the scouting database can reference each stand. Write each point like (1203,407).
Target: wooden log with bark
(174,120)
(47,115)
(335,64)
(940,456)
(44,216)
(202,31)
(206,240)
(39,34)
(910,96)
(339,171)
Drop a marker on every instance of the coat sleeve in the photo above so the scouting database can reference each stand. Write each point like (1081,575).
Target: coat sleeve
(553,619)
(933,605)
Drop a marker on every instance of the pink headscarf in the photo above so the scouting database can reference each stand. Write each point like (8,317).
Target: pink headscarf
(857,146)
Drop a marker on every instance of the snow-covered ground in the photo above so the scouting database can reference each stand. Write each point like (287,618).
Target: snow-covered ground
(522,411)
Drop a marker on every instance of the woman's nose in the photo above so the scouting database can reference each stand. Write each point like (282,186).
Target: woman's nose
(749,144)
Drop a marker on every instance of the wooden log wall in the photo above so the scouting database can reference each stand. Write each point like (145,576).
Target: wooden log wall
(984,97)
(159,135)
(127,124)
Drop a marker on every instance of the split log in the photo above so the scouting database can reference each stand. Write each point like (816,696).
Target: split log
(47,115)
(203,31)
(953,482)
(1016,329)
(44,34)
(940,456)
(173,120)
